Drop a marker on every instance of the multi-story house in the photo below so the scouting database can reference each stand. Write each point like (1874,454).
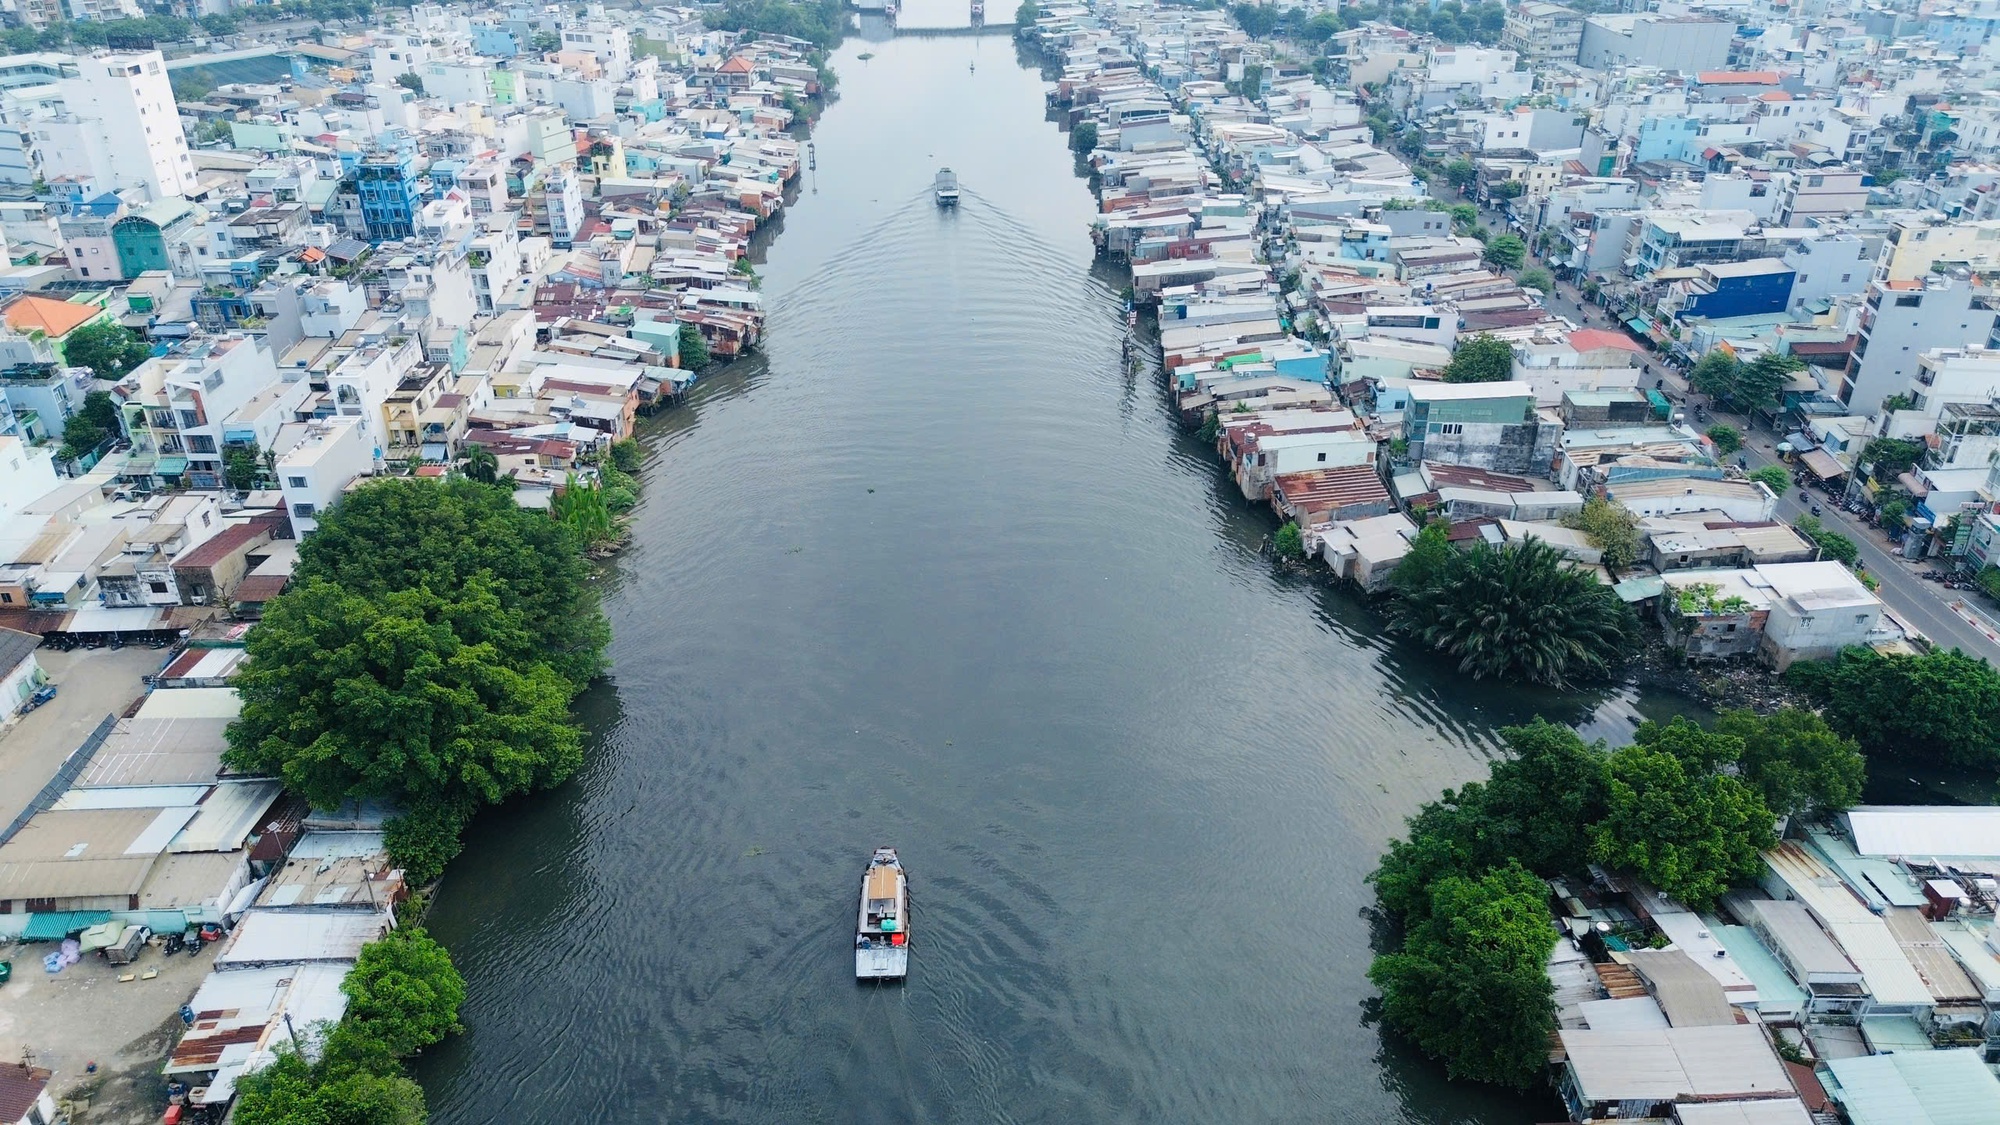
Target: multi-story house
(1900,321)
(386,183)
(1543,33)
(175,418)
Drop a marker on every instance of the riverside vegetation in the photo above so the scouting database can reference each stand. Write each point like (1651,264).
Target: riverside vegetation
(1687,809)
(425,655)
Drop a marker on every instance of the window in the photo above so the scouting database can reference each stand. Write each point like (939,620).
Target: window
(295,482)
(302,511)
(1910,302)
(6,599)
(1451,427)
(157,587)
(1322,456)
(1843,277)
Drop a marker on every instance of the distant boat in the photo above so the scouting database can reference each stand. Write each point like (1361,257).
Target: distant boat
(882,937)
(945,187)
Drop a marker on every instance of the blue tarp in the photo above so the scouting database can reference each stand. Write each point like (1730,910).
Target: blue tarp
(55,925)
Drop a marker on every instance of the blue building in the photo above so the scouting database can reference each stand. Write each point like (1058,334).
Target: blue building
(1668,138)
(496,42)
(387,185)
(1759,287)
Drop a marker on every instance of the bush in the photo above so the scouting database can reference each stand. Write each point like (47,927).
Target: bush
(627,455)
(1289,542)
(1612,529)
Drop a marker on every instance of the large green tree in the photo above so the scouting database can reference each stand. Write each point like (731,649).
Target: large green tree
(404,992)
(292,1091)
(1942,706)
(1691,832)
(408,696)
(109,349)
(1536,809)
(1612,529)
(1505,252)
(1470,983)
(1483,359)
(1798,762)
(397,533)
(1519,613)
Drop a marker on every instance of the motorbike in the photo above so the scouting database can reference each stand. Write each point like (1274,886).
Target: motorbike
(1815,509)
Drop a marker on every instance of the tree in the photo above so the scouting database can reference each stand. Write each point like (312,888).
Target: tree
(1026,15)
(94,423)
(1715,374)
(1430,552)
(481,465)
(1773,477)
(1727,439)
(693,349)
(1508,189)
(1831,544)
(1519,613)
(1892,456)
(1760,382)
(1941,707)
(407,696)
(241,466)
(1252,84)
(292,1091)
(1460,173)
(1537,278)
(1505,251)
(1470,983)
(398,534)
(410,81)
(109,349)
(1693,834)
(1893,514)
(1083,138)
(1796,760)
(404,992)
(1612,529)
(1483,359)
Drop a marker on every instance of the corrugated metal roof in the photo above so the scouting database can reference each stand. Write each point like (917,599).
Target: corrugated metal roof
(1687,994)
(77,854)
(192,703)
(166,824)
(1887,974)
(271,937)
(144,751)
(238,1013)
(1917,1088)
(1773,1111)
(1932,959)
(130,797)
(325,844)
(1675,1063)
(227,816)
(193,881)
(1926,832)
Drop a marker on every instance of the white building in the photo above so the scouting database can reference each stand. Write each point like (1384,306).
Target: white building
(122,126)
(318,460)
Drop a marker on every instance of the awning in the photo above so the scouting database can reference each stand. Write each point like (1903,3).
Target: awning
(55,925)
(1638,324)
(1822,464)
(1916,487)
(435,451)
(172,466)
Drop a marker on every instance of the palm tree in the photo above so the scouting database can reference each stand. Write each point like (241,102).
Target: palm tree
(481,465)
(1518,613)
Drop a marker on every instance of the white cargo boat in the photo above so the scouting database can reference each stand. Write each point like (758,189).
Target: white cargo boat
(882,940)
(945,187)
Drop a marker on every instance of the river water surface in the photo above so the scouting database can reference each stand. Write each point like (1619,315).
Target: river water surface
(933,571)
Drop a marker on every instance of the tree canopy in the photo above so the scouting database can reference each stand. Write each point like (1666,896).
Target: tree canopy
(693,349)
(1942,706)
(1773,477)
(1483,359)
(1612,529)
(1798,762)
(94,422)
(425,654)
(1505,251)
(1537,278)
(1083,138)
(1728,439)
(823,22)
(1672,820)
(1470,983)
(404,992)
(1519,613)
(108,348)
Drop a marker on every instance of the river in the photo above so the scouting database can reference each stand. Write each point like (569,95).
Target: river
(933,571)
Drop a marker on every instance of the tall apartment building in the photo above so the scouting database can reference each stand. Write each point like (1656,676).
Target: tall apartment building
(1541,32)
(387,184)
(1683,43)
(120,126)
(1904,319)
